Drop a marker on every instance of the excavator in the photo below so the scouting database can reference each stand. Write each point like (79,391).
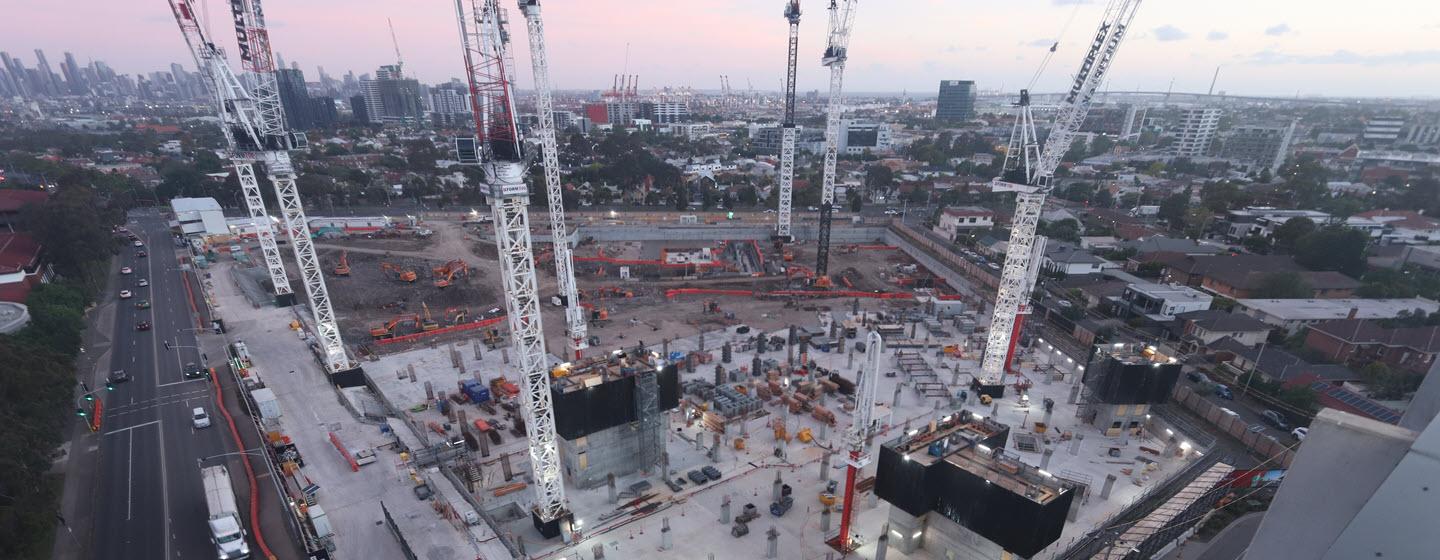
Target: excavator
(457,315)
(343,269)
(400,273)
(388,329)
(445,275)
(429,323)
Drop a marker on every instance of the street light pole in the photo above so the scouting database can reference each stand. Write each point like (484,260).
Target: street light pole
(1246,387)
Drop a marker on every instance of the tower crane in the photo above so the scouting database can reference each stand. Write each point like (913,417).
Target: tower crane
(856,438)
(239,118)
(842,18)
(485,39)
(1032,183)
(787,129)
(564,266)
(256,56)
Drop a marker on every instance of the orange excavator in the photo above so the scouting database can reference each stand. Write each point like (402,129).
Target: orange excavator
(343,268)
(400,273)
(388,329)
(445,275)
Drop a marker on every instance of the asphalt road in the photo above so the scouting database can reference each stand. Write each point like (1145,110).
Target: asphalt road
(150,501)
(1248,409)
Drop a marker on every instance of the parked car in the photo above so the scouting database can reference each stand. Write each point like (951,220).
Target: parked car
(138,244)
(1197,376)
(143,283)
(199,418)
(1223,391)
(1300,433)
(1275,419)
(1229,412)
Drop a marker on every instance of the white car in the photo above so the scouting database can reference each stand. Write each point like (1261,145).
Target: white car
(200,418)
(1300,433)
(125,294)
(143,283)
(139,244)
(126,270)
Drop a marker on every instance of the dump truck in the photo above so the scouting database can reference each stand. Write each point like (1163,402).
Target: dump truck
(226,530)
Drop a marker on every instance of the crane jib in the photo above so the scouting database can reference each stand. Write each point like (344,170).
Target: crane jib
(237,9)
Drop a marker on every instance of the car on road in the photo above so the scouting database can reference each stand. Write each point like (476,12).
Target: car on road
(1275,419)
(1300,433)
(193,371)
(142,325)
(892,212)
(141,254)
(125,270)
(1229,412)
(125,294)
(143,283)
(770,210)
(813,208)
(1197,376)
(138,244)
(1223,391)
(118,376)
(142,304)
(199,418)
(711,472)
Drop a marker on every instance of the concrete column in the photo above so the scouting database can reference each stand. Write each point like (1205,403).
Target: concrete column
(505,467)
(702,341)
(665,463)
(994,407)
(895,401)
(775,493)
(1074,394)
(790,339)
(699,442)
(520,546)
(790,349)
(1048,413)
(610,482)
(772,538)
(882,544)
(755,365)
(850,355)
(825,465)
(912,329)
(824,431)
(505,354)
(1171,447)
(725,352)
(665,537)
(1045,458)
(715,449)
(429,392)
(725,511)
(825,521)
(855,306)
(689,363)
(599,551)
(1075,444)
(1109,485)
(484,440)
(719,375)
(834,327)
(665,348)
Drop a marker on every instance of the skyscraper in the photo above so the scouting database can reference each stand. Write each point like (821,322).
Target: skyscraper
(392,98)
(48,81)
(957,101)
(1196,128)
(74,76)
(294,98)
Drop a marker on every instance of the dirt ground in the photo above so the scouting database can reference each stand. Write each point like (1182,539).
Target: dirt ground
(370,297)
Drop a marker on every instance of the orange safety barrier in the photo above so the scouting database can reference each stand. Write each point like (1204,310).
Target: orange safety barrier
(670,294)
(249,470)
(457,328)
(335,440)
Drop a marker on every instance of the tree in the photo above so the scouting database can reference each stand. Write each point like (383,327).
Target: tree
(1172,209)
(1150,269)
(72,230)
(1283,285)
(1389,384)
(1256,244)
(856,202)
(1334,247)
(1063,230)
(748,195)
(878,176)
(1103,199)
(1076,152)
(1289,233)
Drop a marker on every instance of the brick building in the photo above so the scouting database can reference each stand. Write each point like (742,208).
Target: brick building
(1359,342)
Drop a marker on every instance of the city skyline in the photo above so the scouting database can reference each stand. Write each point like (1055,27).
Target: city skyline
(1275,50)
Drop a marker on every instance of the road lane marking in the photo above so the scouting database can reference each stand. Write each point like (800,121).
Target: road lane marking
(130,480)
(118,430)
(164,491)
(179,382)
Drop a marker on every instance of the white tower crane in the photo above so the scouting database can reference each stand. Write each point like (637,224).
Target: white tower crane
(564,265)
(859,433)
(485,39)
(787,129)
(256,56)
(842,18)
(1031,190)
(239,123)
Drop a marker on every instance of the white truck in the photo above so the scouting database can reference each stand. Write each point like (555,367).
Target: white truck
(226,530)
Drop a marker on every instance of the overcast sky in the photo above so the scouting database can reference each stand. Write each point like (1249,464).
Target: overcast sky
(1267,47)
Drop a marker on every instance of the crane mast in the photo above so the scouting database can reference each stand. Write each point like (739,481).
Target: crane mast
(485,40)
(239,123)
(1017,275)
(787,129)
(842,18)
(559,232)
(855,439)
(276,141)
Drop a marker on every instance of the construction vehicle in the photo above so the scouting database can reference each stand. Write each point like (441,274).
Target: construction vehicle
(445,274)
(388,329)
(343,268)
(600,316)
(429,323)
(1029,171)
(227,532)
(398,272)
(457,315)
(804,435)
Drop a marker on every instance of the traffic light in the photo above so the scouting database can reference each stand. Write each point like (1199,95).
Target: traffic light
(80,412)
(89,396)
(109,386)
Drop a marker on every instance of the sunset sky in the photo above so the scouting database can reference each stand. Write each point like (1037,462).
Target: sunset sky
(1267,47)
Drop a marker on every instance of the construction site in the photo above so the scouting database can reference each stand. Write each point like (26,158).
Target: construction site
(488,389)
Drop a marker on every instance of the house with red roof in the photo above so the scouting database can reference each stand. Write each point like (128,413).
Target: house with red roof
(12,200)
(1405,226)
(20,266)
